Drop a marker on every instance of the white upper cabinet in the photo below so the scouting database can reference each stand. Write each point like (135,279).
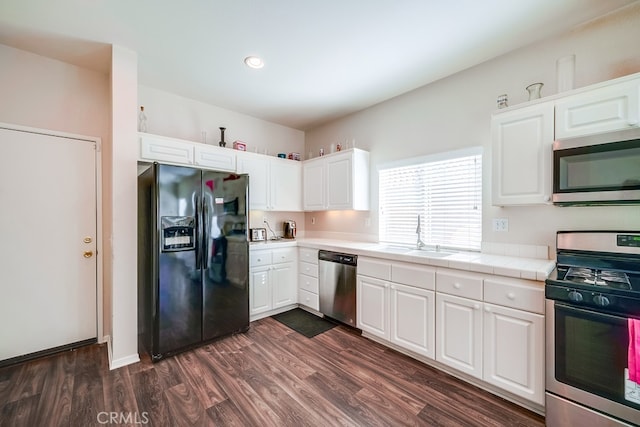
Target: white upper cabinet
(610,108)
(522,142)
(286,184)
(257,167)
(218,158)
(172,150)
(338,181)
(274,184)
(313,179)
(161,149)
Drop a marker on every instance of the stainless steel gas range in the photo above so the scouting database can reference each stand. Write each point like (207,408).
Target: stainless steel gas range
(593,330)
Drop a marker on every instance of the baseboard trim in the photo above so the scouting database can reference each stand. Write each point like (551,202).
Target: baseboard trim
(123,361)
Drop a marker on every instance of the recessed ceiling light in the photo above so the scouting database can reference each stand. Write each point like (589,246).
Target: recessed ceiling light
(254,62)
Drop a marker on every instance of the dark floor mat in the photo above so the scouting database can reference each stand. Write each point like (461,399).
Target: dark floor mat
(304,322)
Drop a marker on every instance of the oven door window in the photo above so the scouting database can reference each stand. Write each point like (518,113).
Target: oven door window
(604,167)
(592,353)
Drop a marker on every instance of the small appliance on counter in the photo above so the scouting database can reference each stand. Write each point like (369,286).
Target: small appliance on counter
(258,234)
(289,228)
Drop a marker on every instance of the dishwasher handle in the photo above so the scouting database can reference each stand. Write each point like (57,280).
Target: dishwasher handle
(338,257)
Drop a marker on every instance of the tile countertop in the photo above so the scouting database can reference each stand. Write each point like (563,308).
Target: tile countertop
(523,268)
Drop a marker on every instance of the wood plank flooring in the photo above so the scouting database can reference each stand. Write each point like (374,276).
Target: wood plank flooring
(270,376)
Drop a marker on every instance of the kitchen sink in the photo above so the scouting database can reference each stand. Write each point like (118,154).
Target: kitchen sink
(393,249)
(429,254)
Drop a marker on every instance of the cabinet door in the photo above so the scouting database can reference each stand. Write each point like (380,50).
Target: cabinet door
(459,334)
(522,156)
(217,158)
(339,182)
(514,351)
(259,291)
(372,306)
(166,150)
(286,185)
(313,176)
(284,284)
(258,169)
(412,319)
(596,111)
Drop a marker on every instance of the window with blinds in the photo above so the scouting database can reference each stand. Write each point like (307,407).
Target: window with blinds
(444,190)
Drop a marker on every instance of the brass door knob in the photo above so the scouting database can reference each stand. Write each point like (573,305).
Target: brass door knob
(88,254)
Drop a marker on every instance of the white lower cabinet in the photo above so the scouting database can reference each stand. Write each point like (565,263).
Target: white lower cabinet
(272,281)
(502,345)
(396,302)
(372,306)
(514,351)
(308,286)
(412,319)
(459,331)
(485,326)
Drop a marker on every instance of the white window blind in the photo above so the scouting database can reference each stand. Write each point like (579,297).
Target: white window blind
(445,190)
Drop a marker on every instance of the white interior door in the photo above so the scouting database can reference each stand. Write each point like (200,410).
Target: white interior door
(48,242)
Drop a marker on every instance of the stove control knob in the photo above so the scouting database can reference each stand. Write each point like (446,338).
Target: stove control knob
(601,300)
(575,296)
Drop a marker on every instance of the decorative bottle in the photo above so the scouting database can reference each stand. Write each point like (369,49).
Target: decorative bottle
(142,120)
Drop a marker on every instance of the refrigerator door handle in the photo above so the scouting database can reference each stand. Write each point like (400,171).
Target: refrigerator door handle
(205,240)
(198,225)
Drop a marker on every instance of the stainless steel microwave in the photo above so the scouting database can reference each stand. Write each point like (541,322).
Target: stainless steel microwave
(596,173)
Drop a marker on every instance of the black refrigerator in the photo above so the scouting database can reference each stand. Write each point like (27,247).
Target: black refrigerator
(193,255)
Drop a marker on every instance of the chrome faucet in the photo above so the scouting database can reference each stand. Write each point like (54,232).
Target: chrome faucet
(419,244)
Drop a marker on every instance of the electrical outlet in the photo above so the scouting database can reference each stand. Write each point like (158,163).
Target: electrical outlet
(500,224)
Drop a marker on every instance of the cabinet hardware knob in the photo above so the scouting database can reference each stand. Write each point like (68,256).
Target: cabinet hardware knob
(87,254)
(476,306)
(511,296)
(487,309)
(457,285)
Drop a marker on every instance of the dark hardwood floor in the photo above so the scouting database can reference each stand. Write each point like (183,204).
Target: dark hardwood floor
(270,376)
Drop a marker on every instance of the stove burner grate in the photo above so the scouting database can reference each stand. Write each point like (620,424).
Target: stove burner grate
(609,278)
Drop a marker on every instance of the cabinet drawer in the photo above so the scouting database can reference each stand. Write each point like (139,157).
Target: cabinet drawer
(308,269)
(460,284)
(520,295)
(284,255)
(374,268)
(414,275)
(309,299)
(308,283)
(308,255)
(259,258)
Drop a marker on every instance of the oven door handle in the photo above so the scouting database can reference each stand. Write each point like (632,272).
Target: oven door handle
(589,312)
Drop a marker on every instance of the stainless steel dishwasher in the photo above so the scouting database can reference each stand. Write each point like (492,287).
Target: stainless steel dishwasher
(337,275)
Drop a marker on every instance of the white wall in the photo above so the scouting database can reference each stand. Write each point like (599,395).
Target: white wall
(178,117)
(49,94)
(455,112)
(124,236)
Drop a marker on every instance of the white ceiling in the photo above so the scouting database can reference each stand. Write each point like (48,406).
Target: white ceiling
(324,59)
